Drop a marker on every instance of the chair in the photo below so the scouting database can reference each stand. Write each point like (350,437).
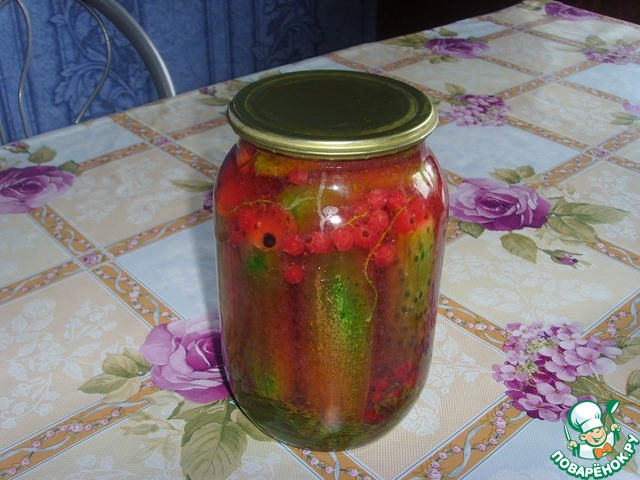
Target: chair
(128,27)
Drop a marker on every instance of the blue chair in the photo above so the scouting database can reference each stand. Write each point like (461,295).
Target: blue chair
(82,82)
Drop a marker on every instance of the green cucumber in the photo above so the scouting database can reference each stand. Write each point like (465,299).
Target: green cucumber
(269,355)
(340,322)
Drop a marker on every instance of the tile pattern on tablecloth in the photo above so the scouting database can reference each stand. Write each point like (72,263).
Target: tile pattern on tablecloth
(487,79)
(70,143)
(509,49)
(211,144)
(494,146)
(611,184)
(482,275)
(17,257)
(184,111)
(631,152)
(186,138)
(619,80)
(87,323)
(568,112)
(180,269)
(139,455)
(120,190)
(577,32)
(618,379)
(377,54)
(474,27)
(530,446)
(514,16)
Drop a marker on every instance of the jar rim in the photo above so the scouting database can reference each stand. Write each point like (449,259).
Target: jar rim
(331,114)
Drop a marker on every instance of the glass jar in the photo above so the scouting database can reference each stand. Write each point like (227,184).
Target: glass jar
(330,217)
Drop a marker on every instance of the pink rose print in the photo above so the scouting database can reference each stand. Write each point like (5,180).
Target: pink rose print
(567,12)
(457,47)
(23,189)
(186,358)
(563,257)
(498,206)
(617,55)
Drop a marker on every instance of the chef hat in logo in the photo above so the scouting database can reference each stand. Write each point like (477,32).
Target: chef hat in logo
(585,416)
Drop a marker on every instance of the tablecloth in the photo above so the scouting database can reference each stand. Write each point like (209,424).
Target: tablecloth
(106,237)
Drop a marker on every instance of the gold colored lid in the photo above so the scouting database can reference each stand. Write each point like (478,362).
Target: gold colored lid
(331,114)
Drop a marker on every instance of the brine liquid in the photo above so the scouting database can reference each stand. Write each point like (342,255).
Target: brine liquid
(328,281)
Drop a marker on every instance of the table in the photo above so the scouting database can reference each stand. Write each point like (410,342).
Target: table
(106,234)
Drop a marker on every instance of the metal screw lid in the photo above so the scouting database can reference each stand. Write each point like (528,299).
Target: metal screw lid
(331,114)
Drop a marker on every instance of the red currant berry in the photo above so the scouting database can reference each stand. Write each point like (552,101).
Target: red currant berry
(318,242)
(293,274)
(293,245)
(342,238)
(376,198)
(384,255)
(378,220)
(403,222)
(396,199)
(364,238)
(418,208)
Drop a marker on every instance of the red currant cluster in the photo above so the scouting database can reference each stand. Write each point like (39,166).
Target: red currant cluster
(368,224)
(388,393)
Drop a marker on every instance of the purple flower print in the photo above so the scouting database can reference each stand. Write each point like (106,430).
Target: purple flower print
(481,110)
(563,258)
(207,201)
(23,189)
(604,347)
(434,474)
(618,55)
(508,373)
(537,407)
(457,47)
(91,259)
(543,361)
(559,367)
(499,422)
(588,361)
(185,355)
(632,108)
(498,206)
(567,12)
(557,393)
(569,339)
(17,147)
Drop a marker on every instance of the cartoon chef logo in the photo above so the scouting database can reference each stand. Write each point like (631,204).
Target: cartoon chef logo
(597,441)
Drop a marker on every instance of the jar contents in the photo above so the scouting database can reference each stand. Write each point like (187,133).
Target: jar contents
(328,304)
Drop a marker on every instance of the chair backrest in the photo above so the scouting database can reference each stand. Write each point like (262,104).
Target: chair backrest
(80,82)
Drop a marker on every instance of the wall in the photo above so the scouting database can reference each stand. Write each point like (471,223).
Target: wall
(202,42)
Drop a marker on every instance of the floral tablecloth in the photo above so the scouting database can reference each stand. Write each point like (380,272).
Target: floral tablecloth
(109,362)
